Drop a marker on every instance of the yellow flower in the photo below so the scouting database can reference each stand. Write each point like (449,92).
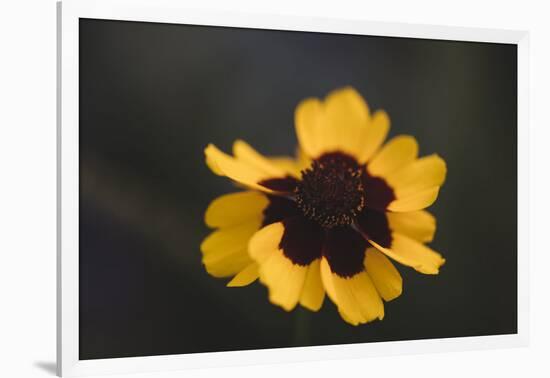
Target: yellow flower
(327,221)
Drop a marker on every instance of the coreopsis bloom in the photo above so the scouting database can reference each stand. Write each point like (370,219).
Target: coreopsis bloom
(331,219)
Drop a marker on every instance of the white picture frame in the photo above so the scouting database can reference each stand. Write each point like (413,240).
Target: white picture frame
(170,11)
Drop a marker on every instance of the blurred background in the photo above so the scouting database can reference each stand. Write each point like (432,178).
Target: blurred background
(152,96)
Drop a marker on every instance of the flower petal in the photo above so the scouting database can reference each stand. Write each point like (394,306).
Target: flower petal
(265,241)
(341,123)
(346,117)
(292,165)
(287,164)
(278,209)
(248,170)
(313,292)
(395,154)
(418,201)
(356,297)
(286,253)
(373,135)
(419,225)
(326,279)
(373,224)
(378,194)
(284,279)
(225,251)
(344,249)
(424,173)
(245,277)
(245,153)
(234,208)
(412,253)
(383,274)
(302,240)
(307,118)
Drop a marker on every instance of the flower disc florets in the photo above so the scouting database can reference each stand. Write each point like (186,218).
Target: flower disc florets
(331,191)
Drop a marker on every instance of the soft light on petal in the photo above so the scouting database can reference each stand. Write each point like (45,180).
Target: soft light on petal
(313,292)
(424,173)
(225,251)
(395,154)
(346,117)
(385,277)
(245,153)
(412,253)
(417,201)
(284,280)
(265,241)
(374,135)
(342,123)
(282,254)
(250,169)
(287,164)
(308,117)
(356,297)
(234,208)
(419,225)
(245,277)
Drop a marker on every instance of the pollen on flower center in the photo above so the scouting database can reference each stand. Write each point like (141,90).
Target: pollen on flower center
(331,190)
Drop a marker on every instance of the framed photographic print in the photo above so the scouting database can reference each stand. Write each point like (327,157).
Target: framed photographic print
(239,188)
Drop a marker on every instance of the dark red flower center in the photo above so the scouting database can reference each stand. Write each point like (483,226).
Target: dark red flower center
(332,211)
(331,191)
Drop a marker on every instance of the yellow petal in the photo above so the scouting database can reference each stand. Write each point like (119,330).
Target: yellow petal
(234,208)
(225,251)
(247,170)
(412,253)
(342,296)
(356,298)
(245,153)
(302,160)
(288,283)
(287,164)
(284,279)
(326,278)
(385,277)
(422,174)
(419,225)
(313,292)
(346,115)
(366,295)
(307,118)
(265,241)
(395,154)
(292,166)
(373,135)
(340,123)
(232,168)
(211,163)
(245,277)
(418,201)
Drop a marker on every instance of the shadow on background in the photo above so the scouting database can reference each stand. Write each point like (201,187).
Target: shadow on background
(48,367)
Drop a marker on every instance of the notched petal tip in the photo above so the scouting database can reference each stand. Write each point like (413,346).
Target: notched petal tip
(347,94)
(438,267)
(209,151)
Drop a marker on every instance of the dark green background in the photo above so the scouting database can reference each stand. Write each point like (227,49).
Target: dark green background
(152,96)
